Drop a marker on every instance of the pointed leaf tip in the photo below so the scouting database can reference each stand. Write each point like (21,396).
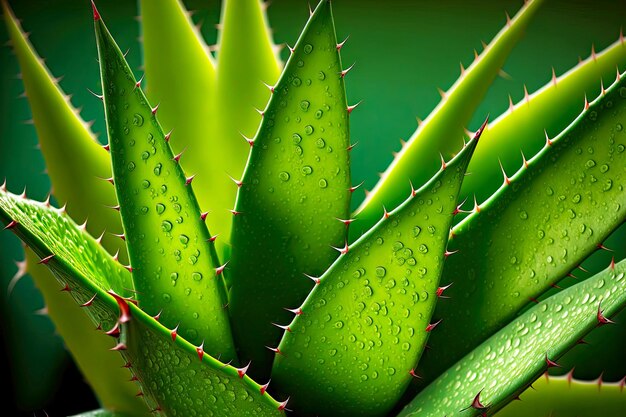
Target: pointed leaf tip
(96,14)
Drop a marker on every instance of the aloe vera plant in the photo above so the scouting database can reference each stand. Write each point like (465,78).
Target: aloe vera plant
(233,279)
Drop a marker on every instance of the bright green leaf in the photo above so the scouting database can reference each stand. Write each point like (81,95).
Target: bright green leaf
(295,188)
(551,215)
(175,267)
(363,328)
(154,354)
(443,131)
(504,365)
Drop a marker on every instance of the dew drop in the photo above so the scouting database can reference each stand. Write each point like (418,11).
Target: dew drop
(308,48)
(145,155)
(196,276)
(319,114)
(308,129)
(320,143)
(166,297)
(523,215)
(381,271)
(307,170)
(184,239)
(297,82)
(284,176)
(321,76)
(304,105)
(131,166)
(160,208)
(145,183)
(137,119)
(322,183)
(157,169)
(619,127)
(166,226)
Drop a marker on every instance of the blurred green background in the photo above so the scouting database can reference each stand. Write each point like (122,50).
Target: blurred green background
(403,51)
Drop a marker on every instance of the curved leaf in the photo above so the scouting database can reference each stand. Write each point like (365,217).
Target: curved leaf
(504,365)
(364,326)
(294,189)
(175,377)
(246,59)
(504,139)
(443,130)
(174,264)
(181,78)
(567,397)
(538,227)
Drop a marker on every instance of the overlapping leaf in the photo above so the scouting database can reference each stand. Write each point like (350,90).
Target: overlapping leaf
(174,375)
(539,226)
(294,190)
(175,268)
(363,328)
(504,365)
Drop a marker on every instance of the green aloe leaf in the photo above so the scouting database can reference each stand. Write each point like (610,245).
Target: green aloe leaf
(443,131)
(294,190)
(77,182)
(247,58)
(90,349)
(172,373)
(174,265)
(187,106)
(363,328)
(503,366)
(556,210)
(536,114)
(568,397)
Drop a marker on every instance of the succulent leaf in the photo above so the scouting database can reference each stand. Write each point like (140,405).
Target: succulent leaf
(246,60)
(443,131)
(556,210)
(187,107)
(77,181)
(504,365)
(568,397)
(90,349)
(295,187)
(535,113)
(379,297)
(155,354)
(174,265)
